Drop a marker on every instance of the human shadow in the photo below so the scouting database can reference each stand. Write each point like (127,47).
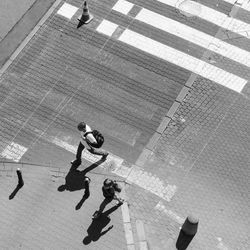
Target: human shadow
(85,196)
(95,229)
(13,194)
(75,179)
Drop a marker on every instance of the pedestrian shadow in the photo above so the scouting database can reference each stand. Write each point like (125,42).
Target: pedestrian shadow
(95,229)
(75,179)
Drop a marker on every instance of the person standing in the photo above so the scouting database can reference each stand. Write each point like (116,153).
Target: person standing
(91,138)
(110,190)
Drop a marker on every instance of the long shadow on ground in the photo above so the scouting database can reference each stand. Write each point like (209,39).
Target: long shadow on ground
(77,180)
(95,229)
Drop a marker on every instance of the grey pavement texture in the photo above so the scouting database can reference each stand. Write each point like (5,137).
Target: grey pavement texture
(41,217)
(11,12)
(66,74)
(17,19)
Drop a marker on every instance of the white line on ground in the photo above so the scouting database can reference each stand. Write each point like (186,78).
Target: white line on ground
(123,6)
(126,220)
(194,36)
(183,60)
(107,28)
(245,5)
(210,15)
(67,10)
(169,213)
(230,1)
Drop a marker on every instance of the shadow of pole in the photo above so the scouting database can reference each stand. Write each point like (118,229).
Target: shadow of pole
(19,185)
(13,194)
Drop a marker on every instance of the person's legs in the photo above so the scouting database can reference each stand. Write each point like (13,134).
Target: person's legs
(118,198)
(102,207)
(79,152)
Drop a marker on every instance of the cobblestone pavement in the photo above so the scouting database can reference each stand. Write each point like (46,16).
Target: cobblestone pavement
(198,162)
(204,153)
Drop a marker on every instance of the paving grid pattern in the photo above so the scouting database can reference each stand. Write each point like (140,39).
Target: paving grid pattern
(41,67)
(204,151)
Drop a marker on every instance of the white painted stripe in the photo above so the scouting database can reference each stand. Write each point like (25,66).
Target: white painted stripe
(246,5)
(210,15)
(111,162)
(183,60)
(67,10)
(230,1)
(169,213)
(107,28)
(14,152)
(123,6)
(194,36)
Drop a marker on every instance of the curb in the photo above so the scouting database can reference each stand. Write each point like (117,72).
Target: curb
(28,38)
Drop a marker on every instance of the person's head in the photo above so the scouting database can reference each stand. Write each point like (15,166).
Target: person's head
(108,183)
(81,126)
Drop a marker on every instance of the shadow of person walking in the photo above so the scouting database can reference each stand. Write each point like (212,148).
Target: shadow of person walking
(95,229)
(75,179)
(86,194)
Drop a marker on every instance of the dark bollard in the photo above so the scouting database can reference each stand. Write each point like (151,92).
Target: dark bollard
(187,232)
(20,178)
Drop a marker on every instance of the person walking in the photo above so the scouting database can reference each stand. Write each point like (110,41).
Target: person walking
(91,138)
(110,190)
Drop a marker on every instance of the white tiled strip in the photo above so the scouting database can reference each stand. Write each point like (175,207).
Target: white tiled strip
(14,151)
(214,16)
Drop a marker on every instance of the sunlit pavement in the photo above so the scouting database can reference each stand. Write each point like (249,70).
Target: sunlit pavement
(179,140)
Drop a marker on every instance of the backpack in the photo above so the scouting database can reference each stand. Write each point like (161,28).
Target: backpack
(98,136)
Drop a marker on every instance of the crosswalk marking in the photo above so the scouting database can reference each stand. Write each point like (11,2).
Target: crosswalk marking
(230,1)
(246,5)
(197,37)
(107,28)
(213,16)
(194,36)
(123,6)
(67,10)
(183,60)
